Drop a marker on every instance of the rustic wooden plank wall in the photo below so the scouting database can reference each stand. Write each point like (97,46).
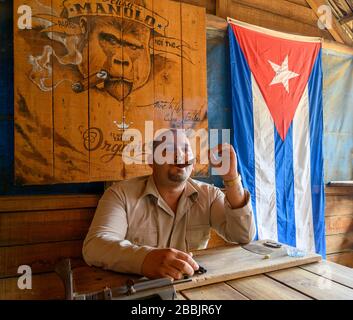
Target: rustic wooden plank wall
(68,124)
(339,226)
(41,230)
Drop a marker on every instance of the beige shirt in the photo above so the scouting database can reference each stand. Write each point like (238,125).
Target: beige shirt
(132,219)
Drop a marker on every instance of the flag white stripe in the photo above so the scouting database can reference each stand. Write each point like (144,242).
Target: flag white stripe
(302,176)
(265,170)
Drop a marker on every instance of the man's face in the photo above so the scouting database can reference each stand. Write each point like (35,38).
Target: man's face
(176,153)
(122,49)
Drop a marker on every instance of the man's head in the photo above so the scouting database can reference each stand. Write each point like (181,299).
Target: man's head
(173,159)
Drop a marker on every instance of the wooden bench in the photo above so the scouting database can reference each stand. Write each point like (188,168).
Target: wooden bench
(40,230)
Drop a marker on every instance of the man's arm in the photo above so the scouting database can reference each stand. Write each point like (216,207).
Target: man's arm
(231,214)
(105,245)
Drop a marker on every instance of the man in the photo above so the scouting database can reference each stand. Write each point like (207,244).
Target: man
(149,225)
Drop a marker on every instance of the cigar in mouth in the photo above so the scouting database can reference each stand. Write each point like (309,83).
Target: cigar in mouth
(186,164)
(91,81)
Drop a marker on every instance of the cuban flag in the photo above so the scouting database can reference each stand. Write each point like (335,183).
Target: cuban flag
(278,128)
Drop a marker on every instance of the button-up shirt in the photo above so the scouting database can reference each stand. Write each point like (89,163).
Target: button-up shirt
(132,219)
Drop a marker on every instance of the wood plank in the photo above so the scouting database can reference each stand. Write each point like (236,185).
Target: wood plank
(221,267)
(168,77)
(33,112)
(218,291)
(106,101)
(337,205)
(283,8)
(46,286)
(332,271)
(344,258)
(312,285)
(300,2)
(262,287)
(70,109)
(52,202)
(194,88)
(272,21)
(336,31)
(218,23)
(41,257)
(339,243)
(91,279)
(19,228)
(139,105)
(347,190)
(339,224)
(210,5)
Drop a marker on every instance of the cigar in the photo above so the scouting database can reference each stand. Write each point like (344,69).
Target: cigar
(90,82)
(186,164)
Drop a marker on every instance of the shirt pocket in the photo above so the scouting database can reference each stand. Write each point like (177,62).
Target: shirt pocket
(144,237)
(197,236)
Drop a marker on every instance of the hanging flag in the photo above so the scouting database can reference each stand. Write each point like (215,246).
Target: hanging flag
(278,127)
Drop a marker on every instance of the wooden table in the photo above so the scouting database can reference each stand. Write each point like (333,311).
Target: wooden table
(237,274)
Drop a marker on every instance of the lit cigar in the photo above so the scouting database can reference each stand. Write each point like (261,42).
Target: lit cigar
(90,82)
(186,164)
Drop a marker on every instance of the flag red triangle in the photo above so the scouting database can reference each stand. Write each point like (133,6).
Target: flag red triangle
(281,68)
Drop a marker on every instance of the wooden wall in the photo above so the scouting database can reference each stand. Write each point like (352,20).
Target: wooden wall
(40,230)
(339,226)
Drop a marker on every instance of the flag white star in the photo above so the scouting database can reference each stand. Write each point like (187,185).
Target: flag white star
(283,75)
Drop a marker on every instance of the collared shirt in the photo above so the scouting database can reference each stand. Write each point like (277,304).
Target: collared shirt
(132,219)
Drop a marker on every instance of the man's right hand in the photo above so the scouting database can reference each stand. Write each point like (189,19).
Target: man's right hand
(172,263)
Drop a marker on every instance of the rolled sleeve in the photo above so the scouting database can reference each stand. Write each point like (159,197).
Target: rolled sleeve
(105,244)
(234,225)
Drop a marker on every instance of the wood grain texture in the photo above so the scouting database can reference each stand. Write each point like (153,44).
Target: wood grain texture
(231,263)
(40,257)
(336,31)
(312,285)
(57,202)
(21,228)
(284,8)
(47,286)
(332,271)
(69,121)
(268,19)
(343,258)
(339,242)
(218,291)
(339,224)
(33,114)
(339,205)
(262,287)
(70,110)
(194,88)
(210,5)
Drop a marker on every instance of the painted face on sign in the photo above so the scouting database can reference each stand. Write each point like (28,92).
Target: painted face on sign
(121,48)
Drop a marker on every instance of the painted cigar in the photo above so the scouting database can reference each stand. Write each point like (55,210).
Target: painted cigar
(90,82)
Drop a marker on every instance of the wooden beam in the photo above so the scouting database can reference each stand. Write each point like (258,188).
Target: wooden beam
(336,31)
(215,22)
(283,8)
(346,19)
(268,18)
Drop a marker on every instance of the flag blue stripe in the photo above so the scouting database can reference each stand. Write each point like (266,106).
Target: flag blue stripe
(285,187)
(242,107)
(316,155)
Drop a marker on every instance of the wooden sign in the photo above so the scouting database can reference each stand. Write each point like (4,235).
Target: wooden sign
(88,71)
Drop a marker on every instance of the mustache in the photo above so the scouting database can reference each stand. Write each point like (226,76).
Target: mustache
(185,164)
